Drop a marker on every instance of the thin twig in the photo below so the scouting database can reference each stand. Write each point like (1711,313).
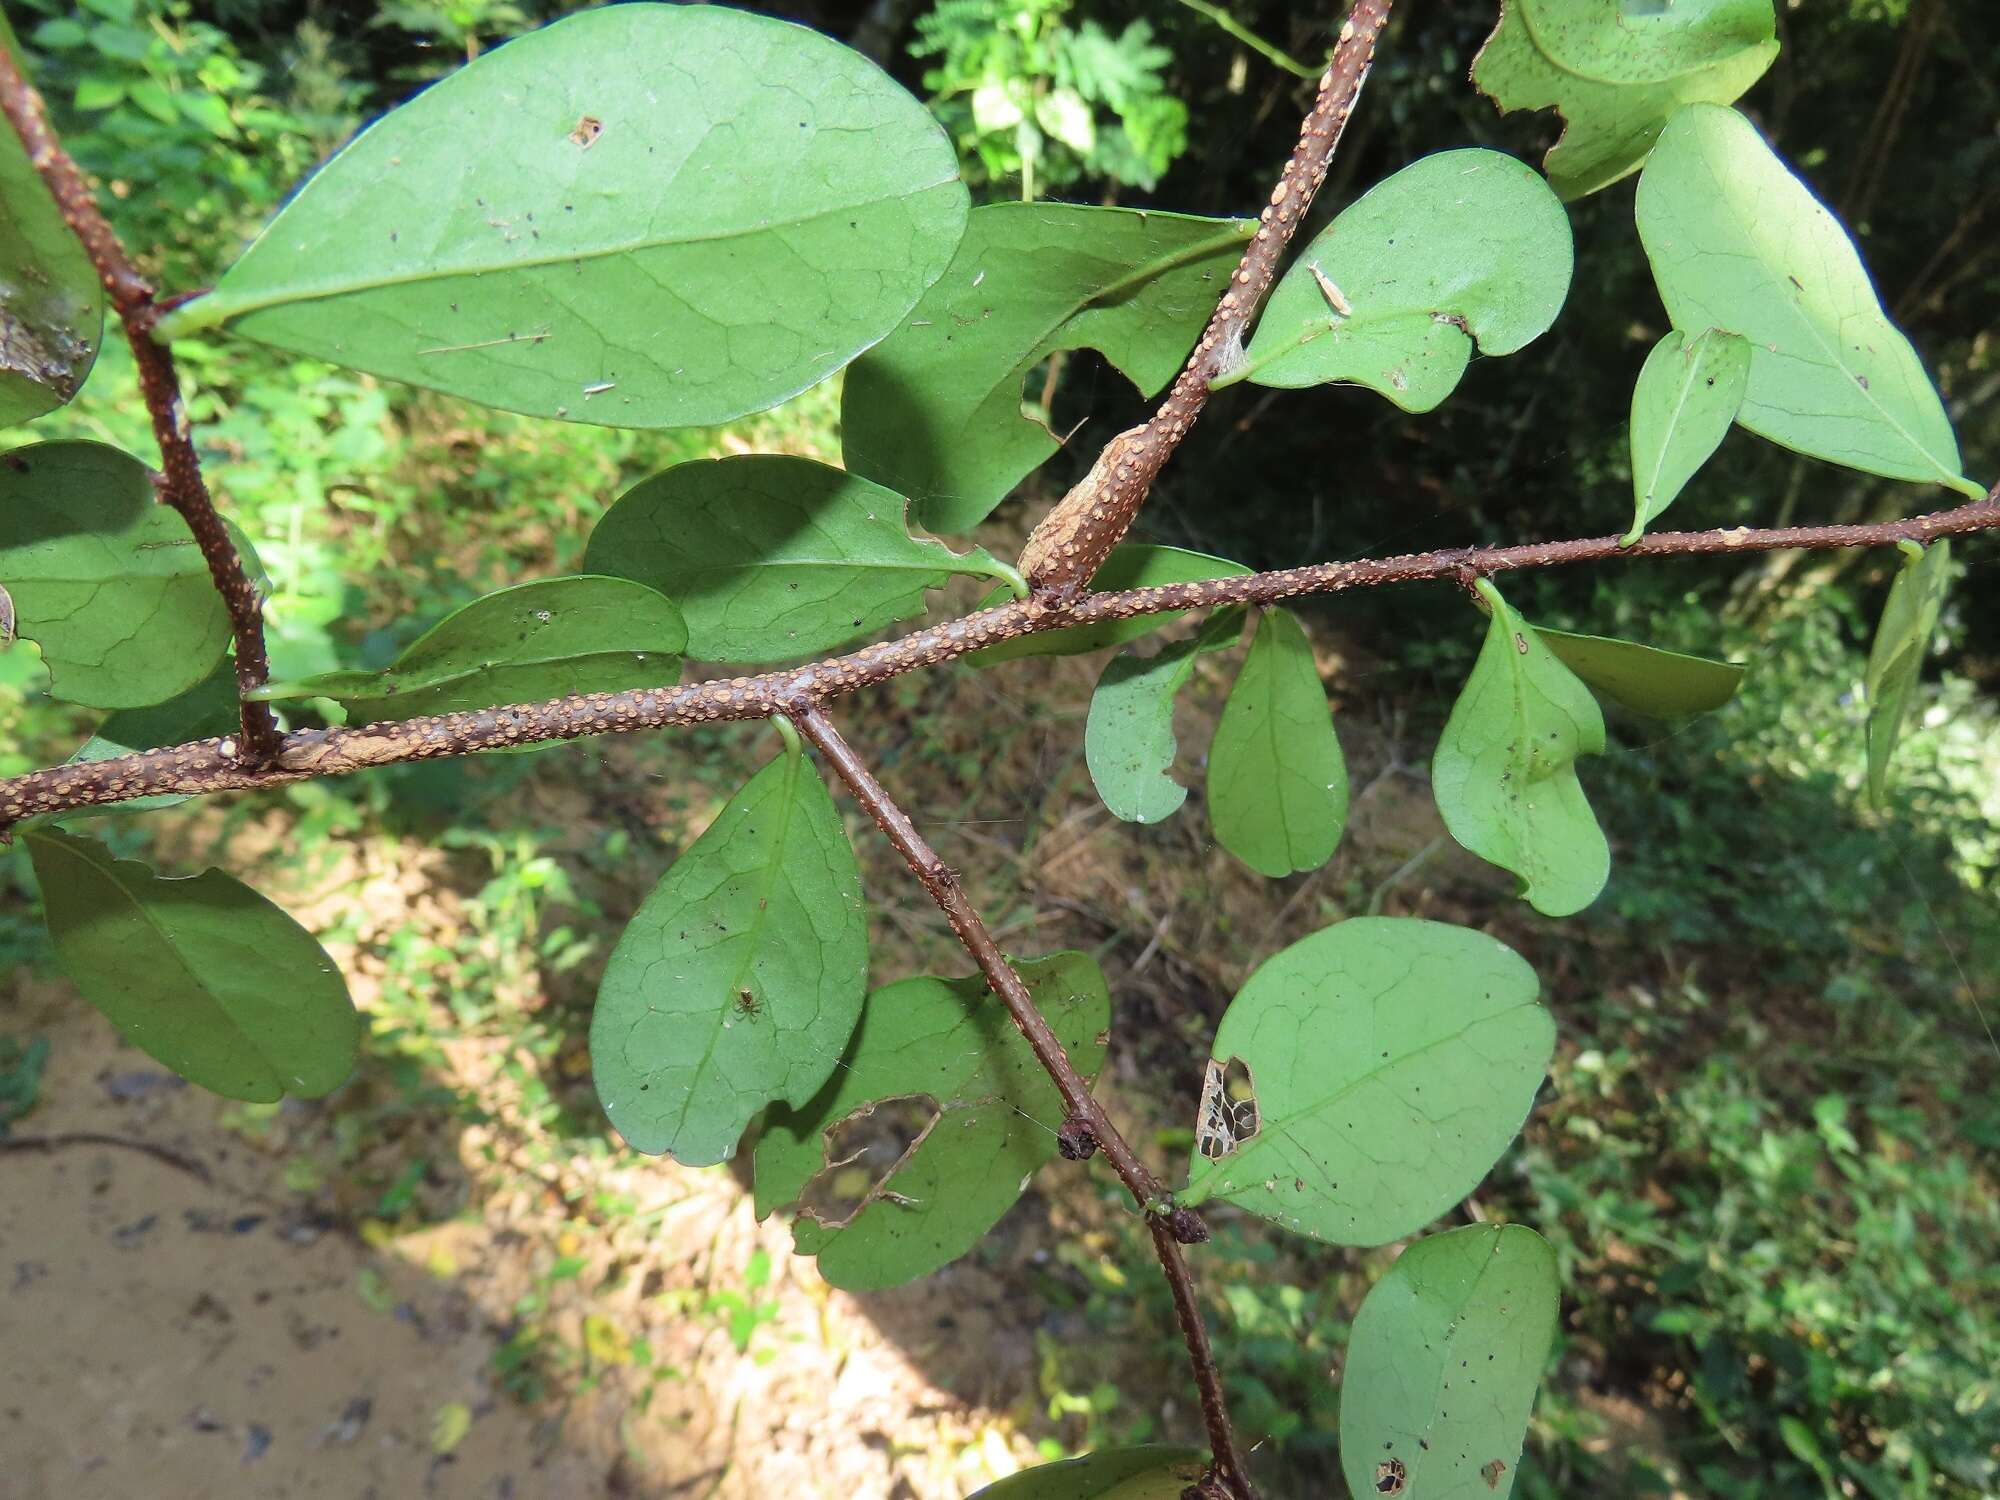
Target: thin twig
(48,1145)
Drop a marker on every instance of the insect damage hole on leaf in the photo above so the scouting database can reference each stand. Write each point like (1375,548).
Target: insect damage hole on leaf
(863,1152)
(1228,1113)
(1391,1477)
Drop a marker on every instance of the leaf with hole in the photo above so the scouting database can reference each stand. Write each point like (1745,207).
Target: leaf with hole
(1504,774)
(773,557)
(1457,248)
(1737,241)
(1645,679)
(1148,1473)
(1686,398)
(1618,72)
(1896,660)
(203,974)
(204,711)
(1128,738)
(935,410)
(1442,1367)
(639,216)
(1390,1060)
(546,639)
(1277,783)
(108,582)
(1133,565)
(740,978)
(948,1047)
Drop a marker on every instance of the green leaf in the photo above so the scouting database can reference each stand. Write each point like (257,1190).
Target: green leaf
(951,1044)
(1128,739)
(1277,784)
(1659,684)
(765,904)
(1686,397)
(1135,565)
(51,304)
(1443,1363)
(1505,770)
(1391,1060)
(935,412)
(773,557)
(1895,661)
(1737,241)
(1618,72)
(1148,1473)
(1457,247)
(640,216)
(202,974)
(205,710)
(547,639)
(109,583)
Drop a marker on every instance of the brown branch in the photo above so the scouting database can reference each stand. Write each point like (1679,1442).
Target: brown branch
(945,888)
(183,487)
(1066,549)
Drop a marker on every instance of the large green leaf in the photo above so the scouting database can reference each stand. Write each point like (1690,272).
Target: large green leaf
(1687,395)
(1505,770)
(640,216)
(1659,684)
(773,557)
(1149,1473)
(1134,565)
(935,412)
(950,1043)
(1128,738)
(202,974)
(51,303)
(1618,71)
(1443,1363)
(1460,246)
(1895,661)
(1391,1060)
(1277,783)
(547,639)
(108,582)
(1737,241)
(740,978)
(207,709)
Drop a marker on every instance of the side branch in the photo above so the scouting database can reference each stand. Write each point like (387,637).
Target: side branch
(182,486)
(205,766)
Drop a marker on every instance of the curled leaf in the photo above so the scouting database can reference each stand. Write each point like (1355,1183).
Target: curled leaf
(1686,397)
(1896,660)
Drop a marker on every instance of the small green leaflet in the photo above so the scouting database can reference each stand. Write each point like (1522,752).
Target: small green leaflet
(1659,684)
(108,583)
(1277,783)
(639,216)
(1150,1473)
(1505,770)
(1134,565)
(1391,1060)
(740,978)
(206,710)
(1456,247)
(951,1043)
(1618,72)
(773,557)
(1737,241)
(202,974)
(1443,1364)
(935,412)
(1688,394)
(1896,660)
(1128,739)
(545,639)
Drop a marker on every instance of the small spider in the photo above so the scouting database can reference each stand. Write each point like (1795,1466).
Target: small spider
(747,1004)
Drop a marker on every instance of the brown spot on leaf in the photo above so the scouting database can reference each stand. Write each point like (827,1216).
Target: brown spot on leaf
(1491,1471)
(588,129)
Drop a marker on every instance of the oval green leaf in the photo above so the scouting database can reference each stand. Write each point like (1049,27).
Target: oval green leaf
(1618,73)
(1134,565)
(950,1043)
(1442,1367)
(1391,1060)
(109,583)
(1460,246)
(765,904)
(1737,241)
(1896,660)
(1128,739)
(935,410)
(202,974)
(1659,684)
(1686,398)
(773,557)
(1505,770)
(1277,782)
(1148,1473)
(206,710)
(640,216)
